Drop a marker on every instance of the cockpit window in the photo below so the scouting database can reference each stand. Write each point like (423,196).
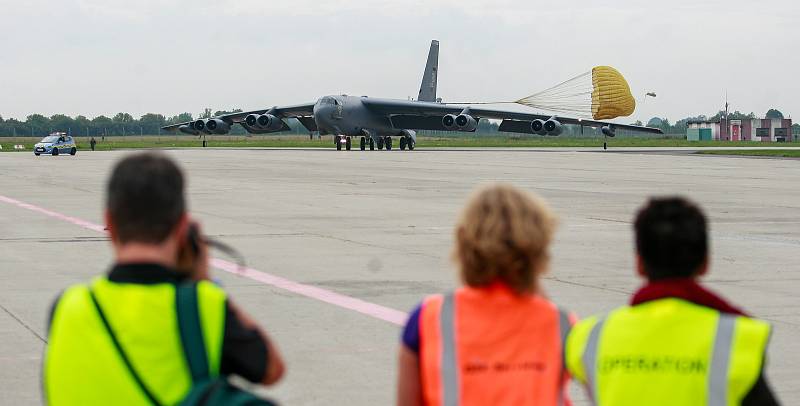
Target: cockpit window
(328,100)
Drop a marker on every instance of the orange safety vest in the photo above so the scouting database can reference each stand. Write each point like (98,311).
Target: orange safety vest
(489,346)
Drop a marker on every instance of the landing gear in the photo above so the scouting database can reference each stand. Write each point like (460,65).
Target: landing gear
(342,139)
(380,143)
(388,143)
(371,144)
(406,142)
(363,143)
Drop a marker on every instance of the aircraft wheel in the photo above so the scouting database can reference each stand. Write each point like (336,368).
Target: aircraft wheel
(380,143)
(388,143)
(403,144)
(348,143)
(363,143)
(338,143)
(410,144)
(55,151)
(371,144)
(36,153)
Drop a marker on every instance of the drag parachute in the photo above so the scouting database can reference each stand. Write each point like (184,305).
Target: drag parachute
(600,94)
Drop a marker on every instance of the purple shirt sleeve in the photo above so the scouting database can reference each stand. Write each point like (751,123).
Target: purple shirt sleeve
(411,330)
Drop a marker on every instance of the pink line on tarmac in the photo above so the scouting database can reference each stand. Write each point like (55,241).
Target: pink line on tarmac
(371,309)
(59,216)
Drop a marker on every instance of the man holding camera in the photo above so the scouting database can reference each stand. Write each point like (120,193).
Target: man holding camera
(117,340)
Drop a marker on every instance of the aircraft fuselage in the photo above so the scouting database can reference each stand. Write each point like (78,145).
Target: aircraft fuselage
(347,116)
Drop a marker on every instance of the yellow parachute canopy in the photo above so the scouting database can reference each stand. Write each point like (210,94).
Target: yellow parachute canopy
(600,94)
(611,96)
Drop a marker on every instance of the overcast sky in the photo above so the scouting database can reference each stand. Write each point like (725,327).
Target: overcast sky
(95,57)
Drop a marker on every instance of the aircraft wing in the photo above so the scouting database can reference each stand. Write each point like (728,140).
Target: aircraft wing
(302,112)
(427,116)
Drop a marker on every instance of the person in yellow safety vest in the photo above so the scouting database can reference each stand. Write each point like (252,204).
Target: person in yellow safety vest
(498,340)
(148,225)
(677,343)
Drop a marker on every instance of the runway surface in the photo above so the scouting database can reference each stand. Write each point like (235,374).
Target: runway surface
(340,245)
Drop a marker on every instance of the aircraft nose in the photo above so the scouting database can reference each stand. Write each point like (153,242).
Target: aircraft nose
(322,116)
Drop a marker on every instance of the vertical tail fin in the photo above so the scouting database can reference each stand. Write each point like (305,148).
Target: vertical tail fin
(427,90)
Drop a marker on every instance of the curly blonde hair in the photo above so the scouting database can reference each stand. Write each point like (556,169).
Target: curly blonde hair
(503,235)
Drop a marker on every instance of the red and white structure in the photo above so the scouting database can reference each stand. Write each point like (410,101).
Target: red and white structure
(756,129)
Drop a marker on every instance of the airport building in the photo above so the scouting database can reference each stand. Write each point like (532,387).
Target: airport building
(756,129)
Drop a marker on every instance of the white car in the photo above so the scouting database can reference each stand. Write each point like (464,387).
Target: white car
(55,144)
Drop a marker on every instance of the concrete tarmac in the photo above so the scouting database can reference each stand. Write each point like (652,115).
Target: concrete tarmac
(377,226)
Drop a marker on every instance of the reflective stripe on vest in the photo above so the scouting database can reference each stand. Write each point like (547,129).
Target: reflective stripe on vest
(83,367)
(717,376)
(450,373)
(564,326)
(720,358)
(449,361)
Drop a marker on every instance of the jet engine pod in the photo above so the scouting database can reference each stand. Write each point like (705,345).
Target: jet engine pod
(268,122)
(449,121)
(537,127)
(251,120)
(199,125)
(217,126)
(465,122)
(608,131)
(553,127)
(188,129)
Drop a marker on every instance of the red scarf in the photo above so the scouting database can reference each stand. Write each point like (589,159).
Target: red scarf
(687,289)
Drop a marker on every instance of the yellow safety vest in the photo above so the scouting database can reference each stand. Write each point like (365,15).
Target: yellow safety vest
(82,366)
(667,352)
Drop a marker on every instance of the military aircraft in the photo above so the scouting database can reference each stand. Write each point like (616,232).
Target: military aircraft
(377,121)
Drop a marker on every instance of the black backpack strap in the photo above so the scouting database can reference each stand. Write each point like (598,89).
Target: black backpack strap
(194,348)
(121,353)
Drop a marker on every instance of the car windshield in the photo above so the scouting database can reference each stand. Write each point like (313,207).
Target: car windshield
(50,138)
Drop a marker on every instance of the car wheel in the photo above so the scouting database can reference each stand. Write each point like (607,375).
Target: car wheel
(55,151)
(73,151)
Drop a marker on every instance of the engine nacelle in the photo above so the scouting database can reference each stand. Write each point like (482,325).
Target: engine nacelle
(449,121)
(264,122)
(200,126)
(465,122)
(608,131)
(217,126)
(553,127)
(537,127)
(188,129)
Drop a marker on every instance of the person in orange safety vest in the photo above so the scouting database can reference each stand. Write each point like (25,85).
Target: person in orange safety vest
(497,340)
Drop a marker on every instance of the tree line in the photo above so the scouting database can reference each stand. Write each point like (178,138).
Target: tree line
(38,125)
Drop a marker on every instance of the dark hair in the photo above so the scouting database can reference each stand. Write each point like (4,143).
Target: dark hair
(145,197)
(671,237)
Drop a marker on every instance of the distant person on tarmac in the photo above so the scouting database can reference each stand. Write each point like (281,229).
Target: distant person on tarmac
(677,343)
(119,339)
(92,143)
(497,340)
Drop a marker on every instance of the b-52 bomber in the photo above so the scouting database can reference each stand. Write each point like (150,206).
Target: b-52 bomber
(378,122)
